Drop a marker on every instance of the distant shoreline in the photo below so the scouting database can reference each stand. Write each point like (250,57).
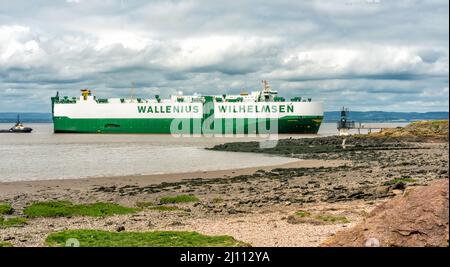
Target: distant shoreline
(329,116)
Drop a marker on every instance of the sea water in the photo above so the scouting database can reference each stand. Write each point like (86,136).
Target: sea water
(43,155)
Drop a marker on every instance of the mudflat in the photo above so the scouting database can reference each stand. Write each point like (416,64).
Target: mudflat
(61,186)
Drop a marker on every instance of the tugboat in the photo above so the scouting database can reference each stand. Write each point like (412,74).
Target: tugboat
(18,128)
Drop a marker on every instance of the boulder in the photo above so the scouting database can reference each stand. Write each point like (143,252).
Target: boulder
(418,218)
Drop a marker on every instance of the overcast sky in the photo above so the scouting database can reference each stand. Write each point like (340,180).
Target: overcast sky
(365,54)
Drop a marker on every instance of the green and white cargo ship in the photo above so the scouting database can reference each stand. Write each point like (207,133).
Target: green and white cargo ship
(257,112)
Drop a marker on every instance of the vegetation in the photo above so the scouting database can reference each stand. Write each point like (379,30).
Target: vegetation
(332,218)
(437,129)
(98,238)
(433,126)
(179,199)
(6,208)
(303,213)
(303,216)
(67,209)
(4,244)
(12,222)
(399,180)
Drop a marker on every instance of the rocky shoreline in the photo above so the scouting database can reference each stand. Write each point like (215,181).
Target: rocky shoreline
(367,170)
(378,166)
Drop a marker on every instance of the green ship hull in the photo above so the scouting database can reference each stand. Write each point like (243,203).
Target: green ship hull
(288,124)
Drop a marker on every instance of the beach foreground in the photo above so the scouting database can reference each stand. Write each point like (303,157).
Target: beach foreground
(330,188)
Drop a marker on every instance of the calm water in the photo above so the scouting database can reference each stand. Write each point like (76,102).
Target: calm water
(43,155)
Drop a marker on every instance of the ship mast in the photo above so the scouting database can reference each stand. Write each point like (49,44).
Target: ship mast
(266,93)
(266,86)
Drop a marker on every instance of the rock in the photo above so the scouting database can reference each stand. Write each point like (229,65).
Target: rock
(120,228)
(232,211)
(358,195)
(399,186)
(382,191)
(176,223)
(418,218)
(397,192)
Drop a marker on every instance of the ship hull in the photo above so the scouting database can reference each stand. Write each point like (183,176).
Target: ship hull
(188,118)
(283,125)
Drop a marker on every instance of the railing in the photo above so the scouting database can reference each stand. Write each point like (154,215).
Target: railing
(66,100)
(345,124)
(359,126)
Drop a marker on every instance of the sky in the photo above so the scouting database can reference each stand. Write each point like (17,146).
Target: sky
(364,54)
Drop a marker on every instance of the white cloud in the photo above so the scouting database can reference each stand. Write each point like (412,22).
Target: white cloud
(368,54)
(210,50)
(18,47)
(380,61)
(126,39)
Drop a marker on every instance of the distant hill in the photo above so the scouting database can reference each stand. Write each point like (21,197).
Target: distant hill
(382,116)
(30,117)
(330,116)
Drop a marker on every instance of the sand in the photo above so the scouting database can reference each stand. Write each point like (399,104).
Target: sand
(8,189)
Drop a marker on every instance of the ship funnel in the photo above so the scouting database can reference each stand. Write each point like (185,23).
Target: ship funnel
(85,93)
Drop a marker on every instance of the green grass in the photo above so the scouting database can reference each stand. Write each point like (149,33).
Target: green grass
(303,213)
(98,238)
(6,208)
(12,222)
(67,209)
(179,199)
(4,244)
(400,180)
(165,208)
